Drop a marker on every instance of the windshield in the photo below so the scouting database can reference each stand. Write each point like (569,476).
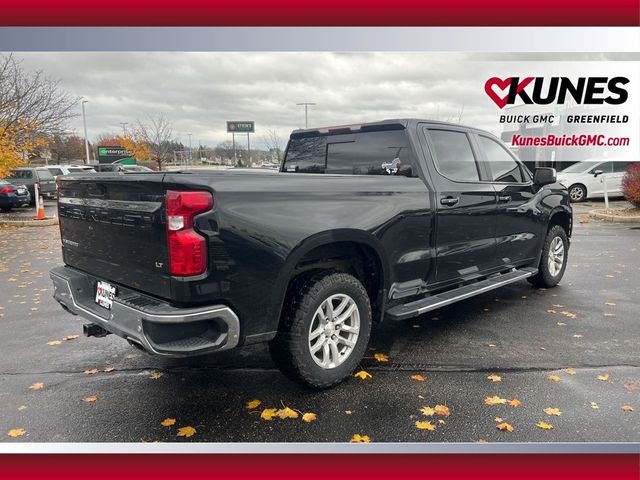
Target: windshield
(44,174)
(580,167)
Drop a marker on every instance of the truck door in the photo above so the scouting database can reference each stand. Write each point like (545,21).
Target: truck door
(519,229)
(465,242)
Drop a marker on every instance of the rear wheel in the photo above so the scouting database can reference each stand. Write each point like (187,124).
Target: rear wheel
(553,261)
(577,193)
(324,330)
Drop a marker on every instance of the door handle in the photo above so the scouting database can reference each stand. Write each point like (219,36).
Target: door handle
(504,198)
(449,201)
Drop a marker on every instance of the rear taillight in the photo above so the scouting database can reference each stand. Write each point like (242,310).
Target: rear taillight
(6,190)
(187,248)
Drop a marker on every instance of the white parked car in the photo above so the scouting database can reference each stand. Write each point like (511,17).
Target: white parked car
(586,179)
(67,169)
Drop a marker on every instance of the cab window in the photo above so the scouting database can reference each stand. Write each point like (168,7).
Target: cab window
(502,165)
(453,155)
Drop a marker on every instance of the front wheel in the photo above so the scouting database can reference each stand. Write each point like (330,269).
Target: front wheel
(553,261)
(577,193)
(324,330)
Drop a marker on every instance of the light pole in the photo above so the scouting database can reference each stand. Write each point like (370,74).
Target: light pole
(306,113)
(124,128)
(190,154)
(84,122)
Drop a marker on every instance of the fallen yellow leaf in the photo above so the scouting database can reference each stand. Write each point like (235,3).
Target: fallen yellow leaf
(268,414)
(555,378)
(494,378)
(428,411)
(551,311)
(495,400)
(286,412)
(553,411)
(362,375)
(515,402)
(604,377)
(90,399)
(544,425)
(570,371)
(594,405)
(348,412)
(419,378)
(381,357)
(54,342)
(442,410)
(252,404)
(93,371)
(16,432)
(167,422)
(22,407)
(610,304)
(504,426)
(37,386)
(70,337)
(425,425)
(627,408)
(109,369)
(186,432)
(156,375)
(609,314)
(357,438)
(309,417)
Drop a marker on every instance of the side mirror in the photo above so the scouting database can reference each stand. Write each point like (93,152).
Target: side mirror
(544,176)
(597,172)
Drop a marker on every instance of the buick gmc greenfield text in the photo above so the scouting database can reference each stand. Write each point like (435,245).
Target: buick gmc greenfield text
(363,223)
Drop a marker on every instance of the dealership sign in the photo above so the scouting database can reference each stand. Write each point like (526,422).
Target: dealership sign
(241,127)
(557,90)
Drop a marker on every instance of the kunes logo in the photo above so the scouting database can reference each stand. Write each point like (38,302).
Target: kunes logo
(545,91)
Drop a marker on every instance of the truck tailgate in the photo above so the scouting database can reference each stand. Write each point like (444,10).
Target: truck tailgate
(113,227)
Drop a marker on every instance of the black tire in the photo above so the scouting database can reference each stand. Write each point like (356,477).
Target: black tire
(545,278)
(290,348)
(577,193)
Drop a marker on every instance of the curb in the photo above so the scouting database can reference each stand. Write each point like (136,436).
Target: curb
(30,223)
(601,215)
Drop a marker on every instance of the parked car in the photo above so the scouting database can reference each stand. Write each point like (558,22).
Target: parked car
(31,176)
(57,170)
(586,179)
(109,167)
(13,195)
(136,168)
(363,223)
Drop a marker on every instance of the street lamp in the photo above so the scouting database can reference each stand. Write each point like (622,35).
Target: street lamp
(190,155)
(306,113)
(124,128)
(84,122)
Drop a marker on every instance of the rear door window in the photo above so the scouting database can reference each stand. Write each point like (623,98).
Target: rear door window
(453,155)
(621,166)
(22,174)
(44,174)
(606,167)
(55,171)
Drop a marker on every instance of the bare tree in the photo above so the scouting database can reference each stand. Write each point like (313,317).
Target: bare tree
(31,103)
(274,143)
(157,133)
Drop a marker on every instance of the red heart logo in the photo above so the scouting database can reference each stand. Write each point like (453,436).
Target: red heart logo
(503,85)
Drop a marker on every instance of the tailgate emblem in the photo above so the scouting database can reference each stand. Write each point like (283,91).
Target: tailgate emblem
(159,264)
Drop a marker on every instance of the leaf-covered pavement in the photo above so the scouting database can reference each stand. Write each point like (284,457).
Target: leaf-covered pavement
(565,361)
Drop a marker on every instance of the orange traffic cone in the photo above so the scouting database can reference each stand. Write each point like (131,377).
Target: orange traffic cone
(40,215)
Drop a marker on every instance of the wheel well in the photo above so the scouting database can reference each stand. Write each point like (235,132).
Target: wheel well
(357,259)
(563,219)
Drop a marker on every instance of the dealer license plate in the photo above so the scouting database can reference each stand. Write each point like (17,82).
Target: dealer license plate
(22,191)
(105,293)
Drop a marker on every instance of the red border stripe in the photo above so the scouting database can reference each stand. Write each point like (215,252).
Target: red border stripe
(311,467)
(320,13)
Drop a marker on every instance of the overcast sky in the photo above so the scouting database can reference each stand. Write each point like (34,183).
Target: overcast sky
(200,91)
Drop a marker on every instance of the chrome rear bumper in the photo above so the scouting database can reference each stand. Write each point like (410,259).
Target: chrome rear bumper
(156,326)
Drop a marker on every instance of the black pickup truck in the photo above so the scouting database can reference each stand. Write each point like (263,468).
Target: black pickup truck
(363,223)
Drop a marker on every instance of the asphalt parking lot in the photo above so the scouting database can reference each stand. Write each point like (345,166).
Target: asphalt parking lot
(571,350)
